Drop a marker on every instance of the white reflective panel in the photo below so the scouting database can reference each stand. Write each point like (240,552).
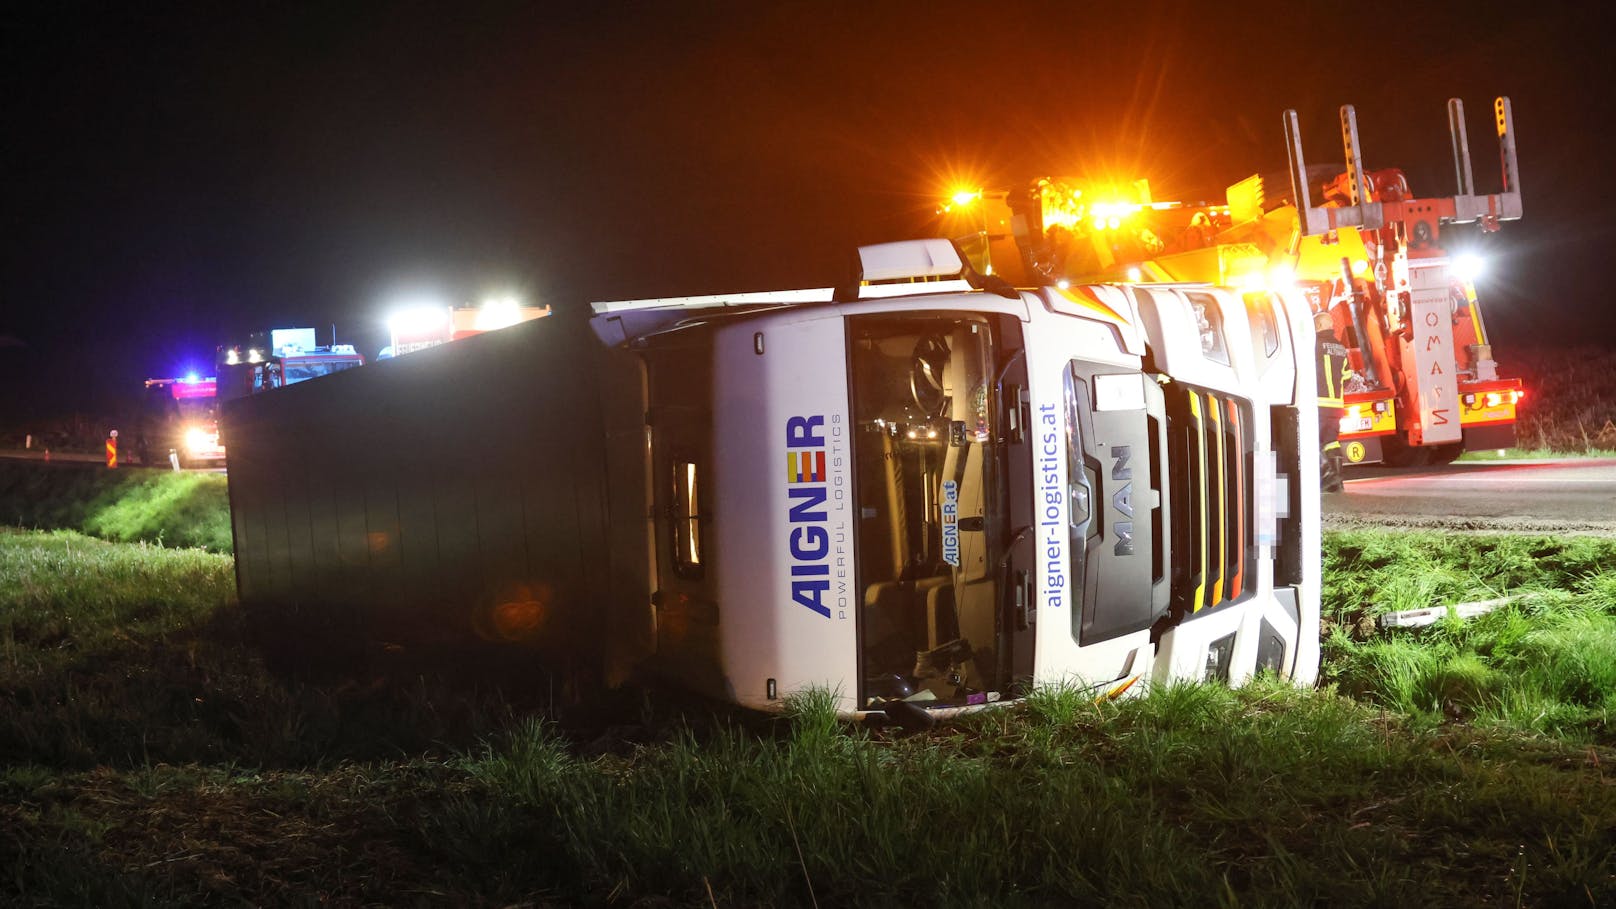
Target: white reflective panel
(931,258)
(1119,392)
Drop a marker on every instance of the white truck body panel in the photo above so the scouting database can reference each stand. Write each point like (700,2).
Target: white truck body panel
(1429,356)
(777,633)
(789,582)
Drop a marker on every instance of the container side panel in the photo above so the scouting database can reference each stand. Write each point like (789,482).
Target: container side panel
(510,598)
(353,550)
(451,495)
(628,509)
(246,507)
(319,495)
(277,561)
(299,527)
(382,526)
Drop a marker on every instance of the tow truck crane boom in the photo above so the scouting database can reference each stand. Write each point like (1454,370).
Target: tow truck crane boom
(1367,212)
(1407,320)
(1364,249)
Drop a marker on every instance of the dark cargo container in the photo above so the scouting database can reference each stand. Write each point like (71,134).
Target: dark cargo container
(455,497)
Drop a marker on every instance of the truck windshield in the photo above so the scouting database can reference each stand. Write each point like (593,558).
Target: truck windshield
(197,409)
(295,371)
(930,506)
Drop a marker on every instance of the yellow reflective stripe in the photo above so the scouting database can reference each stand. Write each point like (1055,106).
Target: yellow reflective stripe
(1085,298)
(1487,414)
(1117,690)
(1331,445)
(1221,521)
(1200,445)
(1237,584)
(1331,402)
(1475,315)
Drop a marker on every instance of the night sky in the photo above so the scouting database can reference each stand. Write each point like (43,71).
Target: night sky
(175,175)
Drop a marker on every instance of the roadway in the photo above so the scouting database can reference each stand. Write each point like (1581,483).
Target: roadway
(1573,495)
(58,457)
(85,459)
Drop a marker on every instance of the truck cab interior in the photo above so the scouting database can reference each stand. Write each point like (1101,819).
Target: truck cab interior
(930,461)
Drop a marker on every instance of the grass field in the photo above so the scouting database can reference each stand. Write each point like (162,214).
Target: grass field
(148,756)
(1570,403)
(152,506)
(1547,663)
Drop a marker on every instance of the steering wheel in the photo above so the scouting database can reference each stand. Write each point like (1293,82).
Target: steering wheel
(926,375)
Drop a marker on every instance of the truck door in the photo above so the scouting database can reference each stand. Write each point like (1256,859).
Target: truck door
(941,616)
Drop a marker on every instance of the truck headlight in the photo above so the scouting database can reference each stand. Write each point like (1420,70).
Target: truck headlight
(1468,267)
(197,439)
(1209,323)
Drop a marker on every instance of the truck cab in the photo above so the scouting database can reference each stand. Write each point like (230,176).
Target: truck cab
(927,492)
(179,416)
(278,358)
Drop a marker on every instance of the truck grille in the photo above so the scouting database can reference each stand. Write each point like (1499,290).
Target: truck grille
(1210,442)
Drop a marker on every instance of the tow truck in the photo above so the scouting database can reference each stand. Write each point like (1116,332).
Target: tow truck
(1423,385)
(425,327)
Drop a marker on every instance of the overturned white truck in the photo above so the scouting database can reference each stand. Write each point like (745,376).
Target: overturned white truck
(926,488)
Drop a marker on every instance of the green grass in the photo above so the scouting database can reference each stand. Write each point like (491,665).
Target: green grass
(148,756)
(64,595)
(1544,663)
(153,506)
(1193,795)
(123,655)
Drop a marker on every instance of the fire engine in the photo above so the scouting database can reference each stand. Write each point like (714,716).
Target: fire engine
(277,358)
(179,416)
(1423,385)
